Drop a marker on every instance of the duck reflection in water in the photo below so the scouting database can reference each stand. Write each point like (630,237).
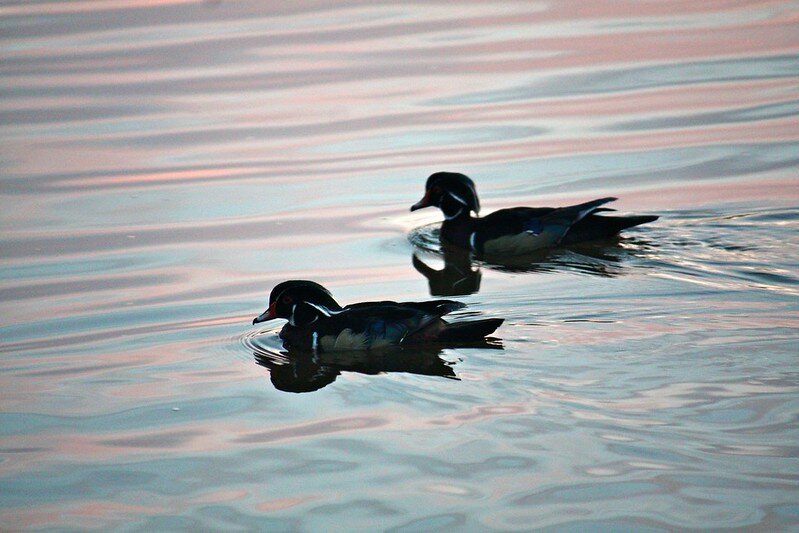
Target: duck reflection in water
(461,274)
(598,258)
(300,371)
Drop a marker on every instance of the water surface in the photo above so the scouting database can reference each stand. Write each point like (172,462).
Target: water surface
(164,164)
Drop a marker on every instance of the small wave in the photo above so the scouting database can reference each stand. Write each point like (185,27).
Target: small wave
(264,342)
(751,249)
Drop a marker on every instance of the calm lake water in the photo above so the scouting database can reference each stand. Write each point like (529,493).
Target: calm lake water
(164,164)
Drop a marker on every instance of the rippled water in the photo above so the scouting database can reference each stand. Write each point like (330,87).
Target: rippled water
(164,164)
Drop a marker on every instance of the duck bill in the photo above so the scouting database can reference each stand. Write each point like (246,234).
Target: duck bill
(269,314)
(424,202)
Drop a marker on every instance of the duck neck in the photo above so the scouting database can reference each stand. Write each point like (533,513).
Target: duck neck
(458,224)
(454,209)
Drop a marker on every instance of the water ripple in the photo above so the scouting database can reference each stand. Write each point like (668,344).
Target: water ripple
(165,164)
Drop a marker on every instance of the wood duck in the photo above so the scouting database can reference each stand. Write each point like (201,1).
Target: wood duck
(517,230)
(316,322)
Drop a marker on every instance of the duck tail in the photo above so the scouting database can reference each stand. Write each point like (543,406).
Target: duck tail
(595,227)
(469,331)
(582,210)
(636,220)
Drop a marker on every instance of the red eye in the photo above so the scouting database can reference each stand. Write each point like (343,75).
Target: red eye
(436,190)
(287,299)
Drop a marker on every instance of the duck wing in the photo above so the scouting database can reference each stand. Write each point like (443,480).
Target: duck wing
(516,230)
(433,307)
(594,227)
(527,229)
(372,325)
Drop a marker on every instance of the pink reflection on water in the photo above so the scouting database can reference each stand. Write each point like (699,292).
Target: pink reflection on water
(281,504)
(317,428)
(654,327)
(220,496)
(777,190)
(87,514)
(60,8)
(670,101)
(175,176)
(667,396)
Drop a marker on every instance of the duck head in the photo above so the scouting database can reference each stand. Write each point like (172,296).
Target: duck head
(298,301)
(452,192)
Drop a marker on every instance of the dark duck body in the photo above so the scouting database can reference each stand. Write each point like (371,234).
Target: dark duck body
(316,322)
(517,230)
